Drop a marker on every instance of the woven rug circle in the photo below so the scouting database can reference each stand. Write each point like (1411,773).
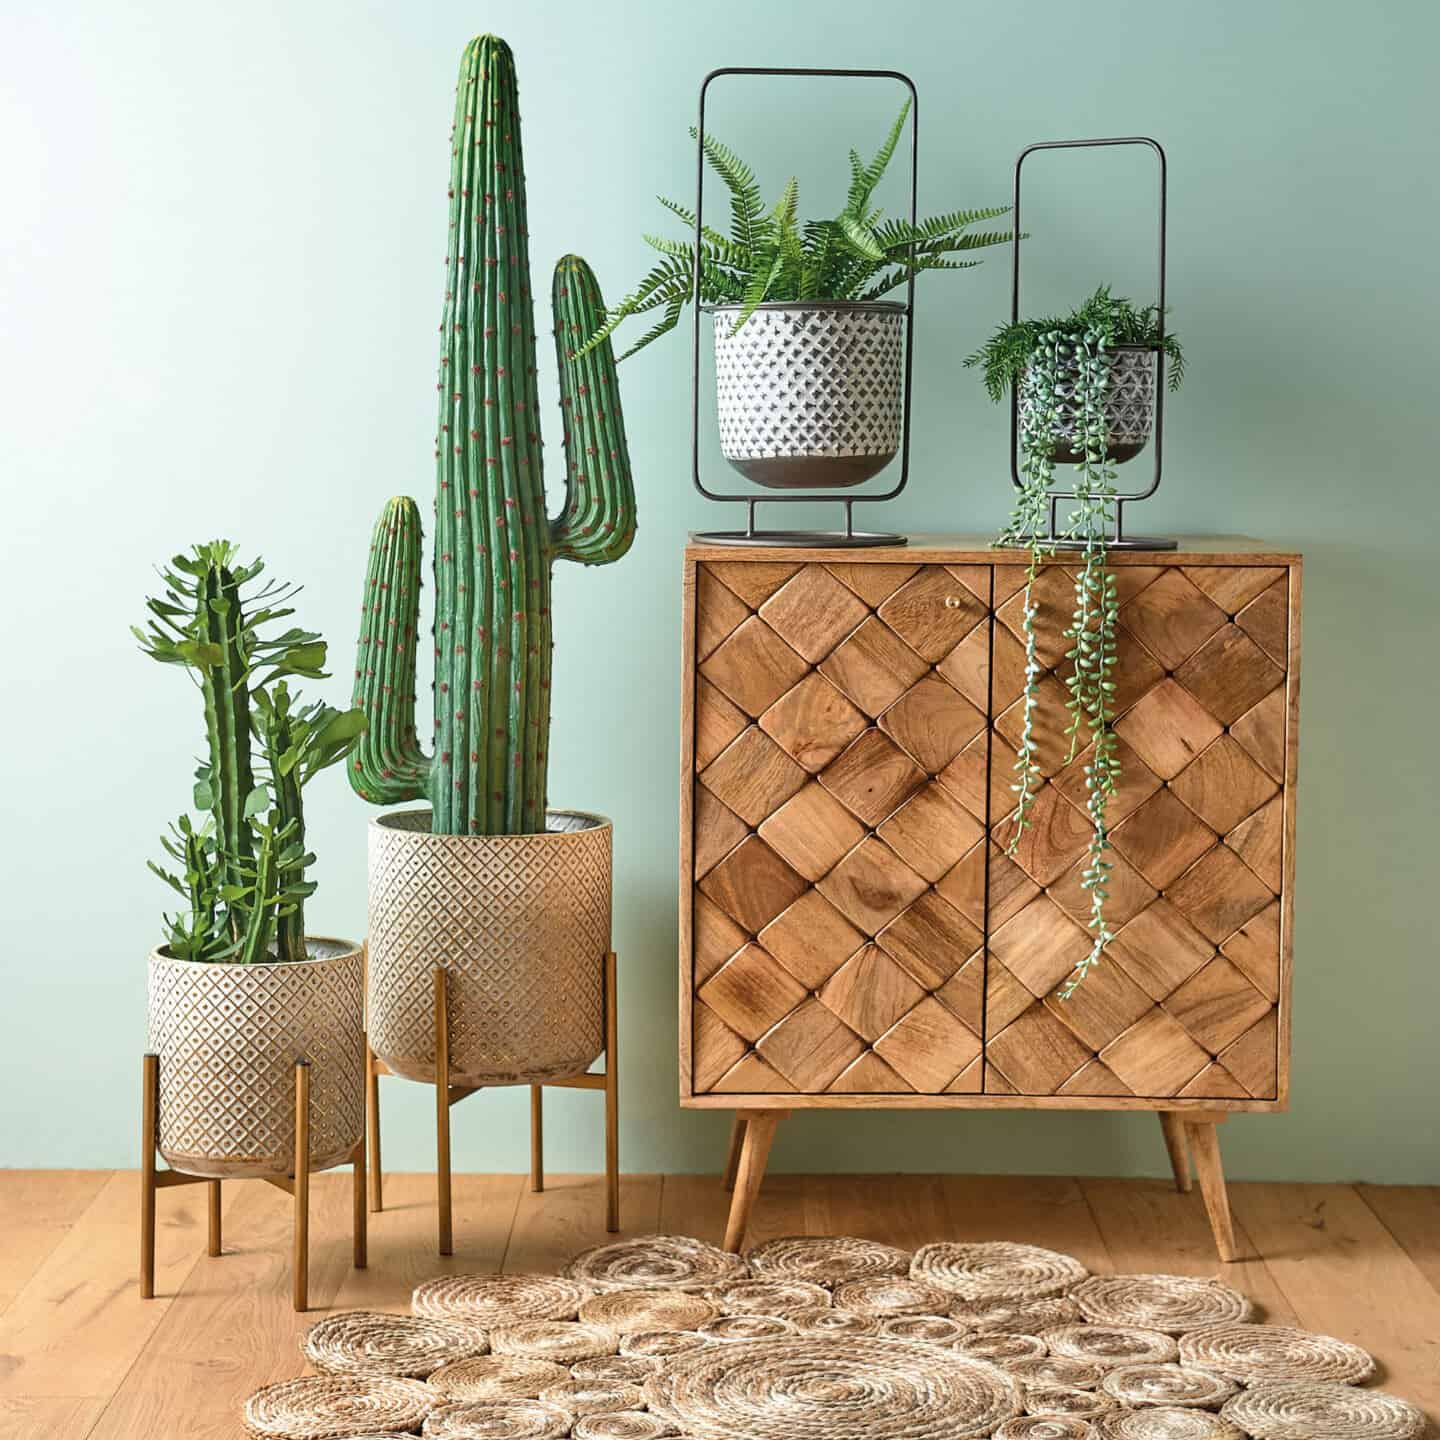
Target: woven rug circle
(1000,1347)
(1057,1370)
(891,1295)
(1303,1409)
(615,1369)
(998,1269)
(768,1297)
(815,1321)
(735,1329)
(629,1311)
(490,1300)
(498,1420)
(661,1344)
(826,1260)
(1172,1303)
(1161,1423)
(832,1388)
(1111,1345)
(1025,1317)
(1067,1401)
(924,1329)
(1275,1352)
(622,1425)
(496,1377)
(564,1341)
(593,1397)
(368,1342)
(656,1262)
(1174,1386)
(1045,1427)
(324,1407)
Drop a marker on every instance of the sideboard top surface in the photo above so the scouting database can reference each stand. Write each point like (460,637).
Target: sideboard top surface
(978,550)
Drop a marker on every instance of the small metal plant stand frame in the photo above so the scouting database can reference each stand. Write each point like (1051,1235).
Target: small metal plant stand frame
(1119,540)
(448,1095)
(296,1184)
(849,537)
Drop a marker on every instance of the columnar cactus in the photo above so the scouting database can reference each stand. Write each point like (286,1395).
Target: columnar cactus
(494,542)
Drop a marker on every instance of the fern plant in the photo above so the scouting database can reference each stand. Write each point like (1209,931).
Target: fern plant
(1060,371)
(772,255)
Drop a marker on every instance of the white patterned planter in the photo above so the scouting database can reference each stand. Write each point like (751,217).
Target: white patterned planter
(521,923)
(228,1037)
(1129,406)
(809,394)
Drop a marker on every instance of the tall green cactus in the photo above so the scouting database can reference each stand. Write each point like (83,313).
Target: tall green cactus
(494,541)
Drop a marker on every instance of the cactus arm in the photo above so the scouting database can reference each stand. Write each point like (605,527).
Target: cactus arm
(597,523)
(279,738)
(388,765)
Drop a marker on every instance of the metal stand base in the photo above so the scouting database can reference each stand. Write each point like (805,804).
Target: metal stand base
(801,539)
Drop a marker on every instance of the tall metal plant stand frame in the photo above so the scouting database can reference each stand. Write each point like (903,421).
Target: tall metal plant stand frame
(448,1095)
(296,1184)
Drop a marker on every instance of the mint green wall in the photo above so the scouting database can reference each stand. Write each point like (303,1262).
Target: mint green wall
(222,239)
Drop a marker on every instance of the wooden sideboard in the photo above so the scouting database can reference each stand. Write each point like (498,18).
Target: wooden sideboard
(857,929)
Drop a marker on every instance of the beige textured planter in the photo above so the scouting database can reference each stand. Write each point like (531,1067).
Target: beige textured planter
(521,923)
(228,1037)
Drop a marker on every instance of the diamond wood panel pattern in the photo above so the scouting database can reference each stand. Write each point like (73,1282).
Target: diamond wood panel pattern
(854,938)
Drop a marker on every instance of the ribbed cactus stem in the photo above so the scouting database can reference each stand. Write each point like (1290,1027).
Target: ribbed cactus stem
(290,808)
(494,542)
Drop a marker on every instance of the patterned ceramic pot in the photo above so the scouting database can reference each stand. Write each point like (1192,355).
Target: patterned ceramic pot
(228,1037)
(1129,406)
(809,395)
(521,923)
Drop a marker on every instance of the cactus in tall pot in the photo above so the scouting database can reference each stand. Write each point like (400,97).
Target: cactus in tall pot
(494,543)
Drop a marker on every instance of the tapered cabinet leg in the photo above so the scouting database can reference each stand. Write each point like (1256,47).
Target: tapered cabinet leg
(149,1116)
(301,1265)
(212,1188)
(1205,1147)
(372,1128)
(754,1155)
(442,1114)
(612,1097)
(537,1138)
(1173,1125)
(732,1156)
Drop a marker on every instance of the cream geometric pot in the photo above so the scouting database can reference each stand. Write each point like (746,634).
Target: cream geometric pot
(1129,405)
(521,923)
(228,1037)
(809,394)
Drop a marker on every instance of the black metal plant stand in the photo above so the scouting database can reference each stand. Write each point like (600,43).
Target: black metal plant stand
(1119,540)
(849,537)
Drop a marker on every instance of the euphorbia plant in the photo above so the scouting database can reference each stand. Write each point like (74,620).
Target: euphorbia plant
(242,871)
(1060,370)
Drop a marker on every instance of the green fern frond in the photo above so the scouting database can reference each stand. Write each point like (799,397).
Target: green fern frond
(758,289)
(749,225)
(856,233)
(667,322)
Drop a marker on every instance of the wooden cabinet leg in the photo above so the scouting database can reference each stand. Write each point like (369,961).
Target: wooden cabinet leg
(1173,1124)
(612,1096)
(442,1114)
(732,1156)
(149,1115)
(754,1154)
(213,1195)
(1205,1147)
(372,1128)
(301,1262)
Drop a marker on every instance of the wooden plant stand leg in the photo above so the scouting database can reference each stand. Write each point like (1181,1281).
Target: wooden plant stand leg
(214,1247)
(1205,1147)
(754,1155)
(1173,1125)
(612,1095)
(372,1126)
(537,1138)
(359,1220)
(149,1115)
(732,1155)
(442,1114)
(301,1264)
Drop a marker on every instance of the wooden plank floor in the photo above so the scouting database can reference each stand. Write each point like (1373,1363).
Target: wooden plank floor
(81,1355)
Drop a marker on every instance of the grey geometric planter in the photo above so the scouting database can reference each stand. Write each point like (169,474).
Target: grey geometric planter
(809,394)
(1129,406)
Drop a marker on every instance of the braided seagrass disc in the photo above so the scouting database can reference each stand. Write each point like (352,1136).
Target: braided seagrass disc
(366,1342)
(1174,1386)
(832,1388)
(1275,1352)
(891,1295)
(1111,1345)
(1022,1317)
(768,1297)
(826,1260)
(629,1311)
(924,1329)
(615,1369)
(498,1420)
(1067,1401)
(586,1397)
(1000,1348)
(815,1321)
(1304,1409)
(325,1407)
(1057,1370)
(734,1328)
(996,1269)
(661,1344)
(1172,1303)
(656,1262)
(622,1425)
(1045,1427)
(490,1300)
(564,1341)
(496,1377)
(1160,1423)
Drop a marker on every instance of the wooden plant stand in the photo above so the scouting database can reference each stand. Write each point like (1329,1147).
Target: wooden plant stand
(448,1095)
(296,1184)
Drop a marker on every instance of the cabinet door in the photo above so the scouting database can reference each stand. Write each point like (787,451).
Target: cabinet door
(1186,1001)
(838,814)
